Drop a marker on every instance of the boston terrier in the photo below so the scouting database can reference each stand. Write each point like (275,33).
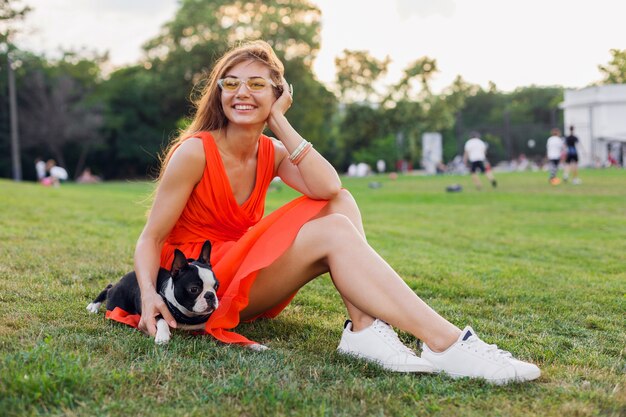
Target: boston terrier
(188,289)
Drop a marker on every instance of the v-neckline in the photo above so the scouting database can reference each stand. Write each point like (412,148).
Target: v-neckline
(230,186)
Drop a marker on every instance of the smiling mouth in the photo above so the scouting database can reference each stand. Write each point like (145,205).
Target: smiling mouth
(243,107)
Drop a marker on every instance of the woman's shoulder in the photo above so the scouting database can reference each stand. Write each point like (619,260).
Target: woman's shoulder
(190,154)
(191,146)
(186,164)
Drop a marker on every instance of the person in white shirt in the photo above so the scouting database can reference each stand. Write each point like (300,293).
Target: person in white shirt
(475,153)
(40,168)
(554,149)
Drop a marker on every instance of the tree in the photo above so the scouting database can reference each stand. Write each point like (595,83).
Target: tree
(55,103)
(10,13)
(292,28)
(395,118)
(135,123)
(615,71)
(457,93)
(422,69)
(357,74)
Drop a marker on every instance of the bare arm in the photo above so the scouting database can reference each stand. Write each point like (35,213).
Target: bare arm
(314,176)
(182,174)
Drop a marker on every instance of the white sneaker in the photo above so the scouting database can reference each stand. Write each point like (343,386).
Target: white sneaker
(471,357)
(380,344)
(577,181)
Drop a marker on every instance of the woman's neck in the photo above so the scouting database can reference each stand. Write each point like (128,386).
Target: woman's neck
(239,141)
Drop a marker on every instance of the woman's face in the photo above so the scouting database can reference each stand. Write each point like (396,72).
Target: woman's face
(249,103)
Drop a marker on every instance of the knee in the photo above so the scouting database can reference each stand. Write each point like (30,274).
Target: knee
(343,202)
(345,196)
(327,235)
(338,228)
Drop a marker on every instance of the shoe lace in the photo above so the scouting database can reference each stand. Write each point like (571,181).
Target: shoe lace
(391,336)
(487,349)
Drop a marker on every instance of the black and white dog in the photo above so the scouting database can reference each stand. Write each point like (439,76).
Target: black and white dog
(188,289)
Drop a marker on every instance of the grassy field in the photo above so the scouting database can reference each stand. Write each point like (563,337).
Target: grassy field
(539,270)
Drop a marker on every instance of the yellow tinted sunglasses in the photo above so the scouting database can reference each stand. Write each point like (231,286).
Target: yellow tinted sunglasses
(254,83)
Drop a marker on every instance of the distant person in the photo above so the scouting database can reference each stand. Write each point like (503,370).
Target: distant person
(476,154)
(521,163)
(381,166)
(56,174)
(87,177)
(554,150)
(362,169)
(611,161)
(40,168)
(352,170)
(571,157)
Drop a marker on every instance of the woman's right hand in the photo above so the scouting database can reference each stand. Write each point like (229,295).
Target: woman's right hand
(152,305)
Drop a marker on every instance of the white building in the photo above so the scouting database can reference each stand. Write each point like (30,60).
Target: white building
(598,115)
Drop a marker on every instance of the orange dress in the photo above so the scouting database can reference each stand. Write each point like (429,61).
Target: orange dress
(243,242)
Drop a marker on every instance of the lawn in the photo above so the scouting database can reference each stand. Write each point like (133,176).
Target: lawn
(537,269)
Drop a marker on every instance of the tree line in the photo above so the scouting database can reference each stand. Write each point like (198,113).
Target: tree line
(117,123)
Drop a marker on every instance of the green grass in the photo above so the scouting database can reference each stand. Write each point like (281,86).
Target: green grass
(539,270)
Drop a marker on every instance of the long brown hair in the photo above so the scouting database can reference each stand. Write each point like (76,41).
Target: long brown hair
(209,114)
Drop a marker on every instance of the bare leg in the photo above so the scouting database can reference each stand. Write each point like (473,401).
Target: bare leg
(554,169)
(476,180)
(345,204)
(490,177)
(367,283)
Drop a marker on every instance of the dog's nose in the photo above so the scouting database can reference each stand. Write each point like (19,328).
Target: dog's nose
(211,300)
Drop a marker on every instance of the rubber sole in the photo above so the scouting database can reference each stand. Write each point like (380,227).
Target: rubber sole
(425,368)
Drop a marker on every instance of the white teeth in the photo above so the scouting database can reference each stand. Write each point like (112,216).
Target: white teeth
(243,107)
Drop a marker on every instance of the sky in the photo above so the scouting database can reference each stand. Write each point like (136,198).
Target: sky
(512,43)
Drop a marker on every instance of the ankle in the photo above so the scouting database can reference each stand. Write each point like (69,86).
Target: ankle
(362,322)
(443,341)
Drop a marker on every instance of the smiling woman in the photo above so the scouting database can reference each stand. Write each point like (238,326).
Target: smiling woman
(213,183)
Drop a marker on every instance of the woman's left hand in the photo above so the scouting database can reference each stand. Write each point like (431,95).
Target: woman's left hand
(283,102)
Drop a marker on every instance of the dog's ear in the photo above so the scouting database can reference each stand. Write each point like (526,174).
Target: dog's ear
(180,261)
(205,254)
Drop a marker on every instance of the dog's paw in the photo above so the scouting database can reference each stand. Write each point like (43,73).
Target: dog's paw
(93,307)
(163,332)
(257,347)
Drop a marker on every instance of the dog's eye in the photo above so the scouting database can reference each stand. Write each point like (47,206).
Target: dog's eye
(194,290)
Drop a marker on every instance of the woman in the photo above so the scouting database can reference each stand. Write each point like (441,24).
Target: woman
(212,186)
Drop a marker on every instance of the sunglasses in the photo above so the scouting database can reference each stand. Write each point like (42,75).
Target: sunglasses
(254,83)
